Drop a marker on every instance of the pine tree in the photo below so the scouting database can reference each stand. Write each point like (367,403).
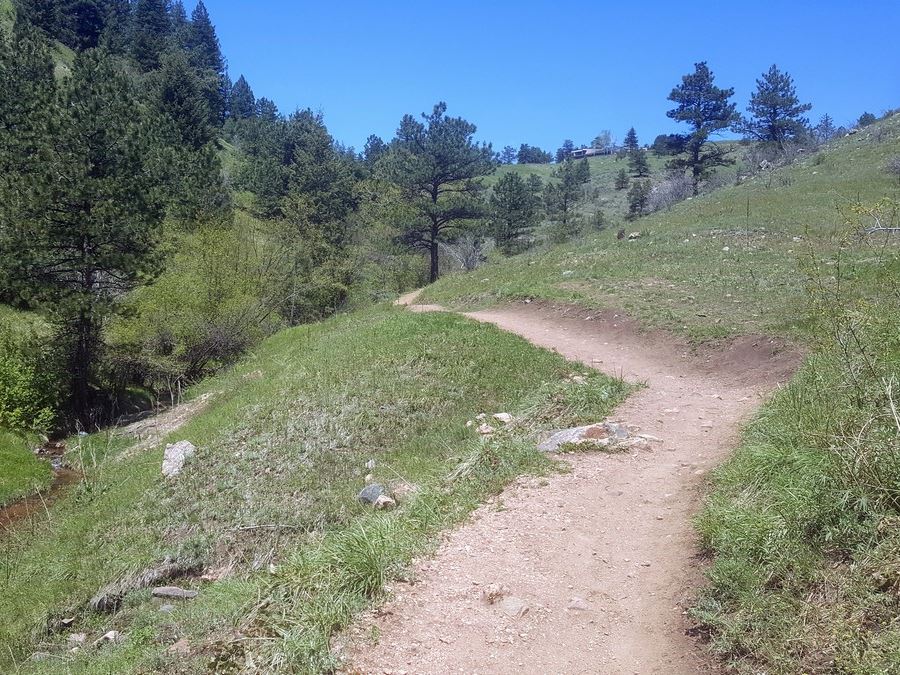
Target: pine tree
(825,129)
(514,213)
(93,216)
(241,102)
(583,171)
(630,144)
(203,43)
(622,180)
(638,163)
(776,114)
(707,109)
(438,167)
(150,31)
(565,151)
(561,198)
(638,198)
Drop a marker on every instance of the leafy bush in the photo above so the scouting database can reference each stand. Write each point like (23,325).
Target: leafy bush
(29,390)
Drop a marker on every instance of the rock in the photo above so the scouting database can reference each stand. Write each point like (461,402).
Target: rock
(175,456)
(384,502)
(369,479)
(173,592)
(634,235)
(493,593)
(167,608)
(600,435)
(505,418)
(579,379)
(182,647)
(578,605)
(255,375)
(514,607)
(370,493)
(480,417)
(485,429)
(77,638)
(370,465)
(112,637)
(40,656)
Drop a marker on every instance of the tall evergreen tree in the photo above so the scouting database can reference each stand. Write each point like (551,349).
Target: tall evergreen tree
(514,212)
(438,167)
(825,129)
(776,114)
(638,163)
(622,180)
(241,102)
(565,151)
(630,144)
(561,198)
(708,110)
(150,31)
(93,217)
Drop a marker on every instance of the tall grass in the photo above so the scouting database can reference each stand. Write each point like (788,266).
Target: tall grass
(804,521)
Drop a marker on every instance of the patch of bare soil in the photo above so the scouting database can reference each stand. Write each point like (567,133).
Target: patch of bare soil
(589,571)
(150,431)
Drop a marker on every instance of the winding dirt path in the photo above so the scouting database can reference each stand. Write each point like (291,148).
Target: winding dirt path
(604,557)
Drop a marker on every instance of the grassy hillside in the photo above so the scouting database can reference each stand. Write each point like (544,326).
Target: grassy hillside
(282,453)
(721,264)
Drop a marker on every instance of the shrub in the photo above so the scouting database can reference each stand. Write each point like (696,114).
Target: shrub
(669,192)
(29,388)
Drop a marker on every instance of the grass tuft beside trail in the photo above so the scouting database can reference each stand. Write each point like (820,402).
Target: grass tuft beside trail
(271,493)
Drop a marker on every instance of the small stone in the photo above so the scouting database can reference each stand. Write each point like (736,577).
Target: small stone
(370,465)
(480,417)
(514,607)
(77,638)
(167,608)
(369,479)
(578,605)
(370,493)
(173,592)
(40,656)
(485,429)
(634,235)
(579,379)
(112,637)
(493,593)
(384,502)
(503,417)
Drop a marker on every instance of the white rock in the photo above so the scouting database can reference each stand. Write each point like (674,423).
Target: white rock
(514,607)
(485,429)
(505,418)
(384,502)
(175,456)
(112,637)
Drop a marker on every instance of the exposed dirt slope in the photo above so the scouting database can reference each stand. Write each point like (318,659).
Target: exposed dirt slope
(603,557)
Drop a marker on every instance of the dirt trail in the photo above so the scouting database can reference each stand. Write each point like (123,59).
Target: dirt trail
(605,557)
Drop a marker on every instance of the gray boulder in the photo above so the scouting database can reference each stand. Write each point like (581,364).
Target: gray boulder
(370,493)
(175,456)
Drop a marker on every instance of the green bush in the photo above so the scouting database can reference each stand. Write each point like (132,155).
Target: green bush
(29,389)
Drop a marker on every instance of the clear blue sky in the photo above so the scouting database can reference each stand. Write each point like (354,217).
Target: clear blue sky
(540,72)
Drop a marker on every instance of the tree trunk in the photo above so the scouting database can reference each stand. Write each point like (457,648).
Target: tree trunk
(80,367)
(435,271)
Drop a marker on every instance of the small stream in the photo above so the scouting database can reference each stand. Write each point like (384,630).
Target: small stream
(63,476)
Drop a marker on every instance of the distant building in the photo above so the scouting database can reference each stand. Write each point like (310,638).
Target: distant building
(590,152)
